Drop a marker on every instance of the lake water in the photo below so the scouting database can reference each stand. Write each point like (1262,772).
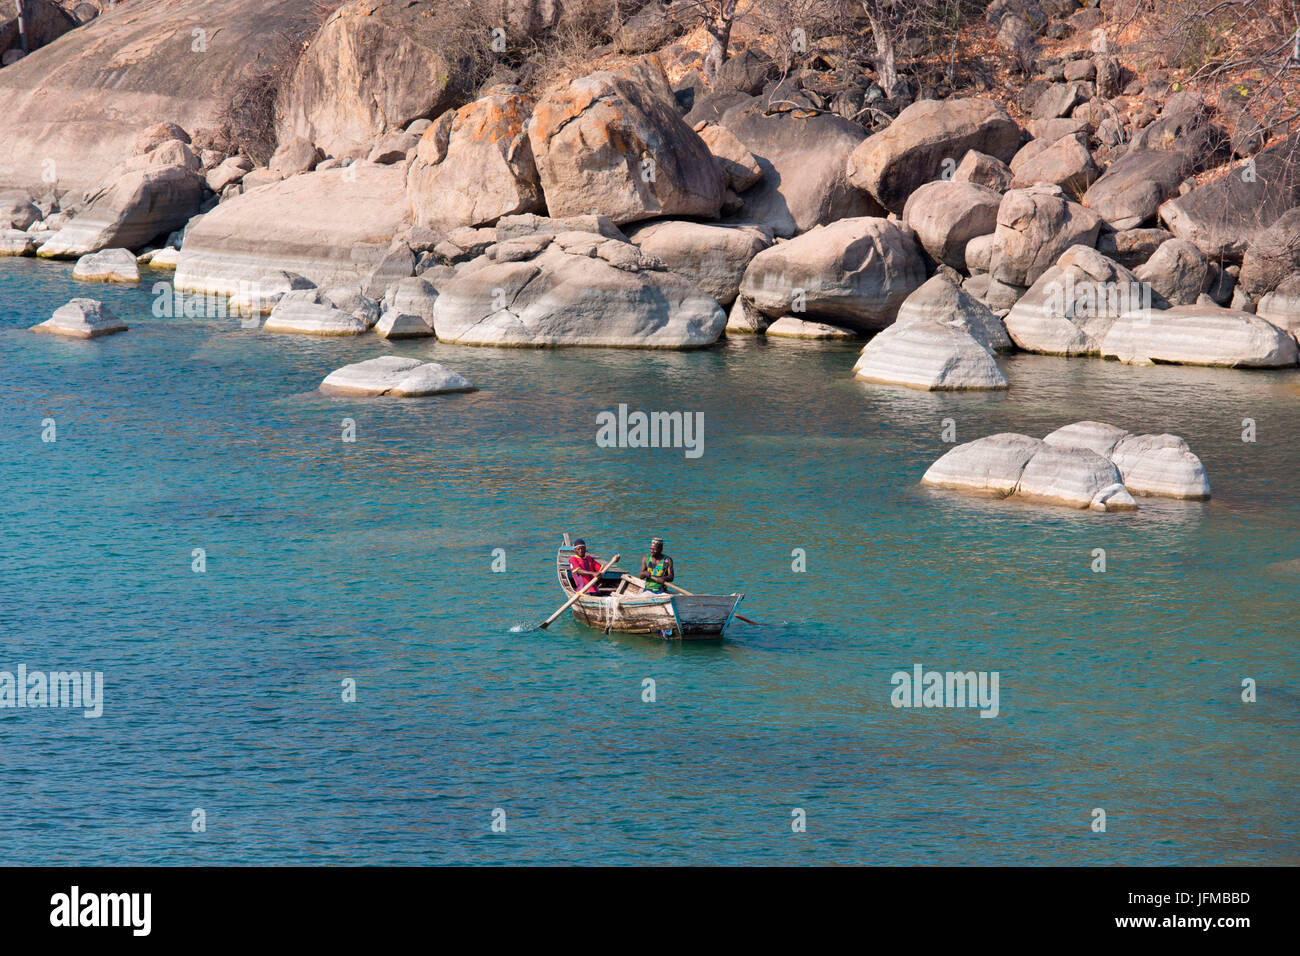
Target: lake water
(372,561)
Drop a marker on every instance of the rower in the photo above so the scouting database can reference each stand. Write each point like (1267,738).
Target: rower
(656,567)
(583,566)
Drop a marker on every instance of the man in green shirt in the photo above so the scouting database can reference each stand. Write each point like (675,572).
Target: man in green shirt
(656,568)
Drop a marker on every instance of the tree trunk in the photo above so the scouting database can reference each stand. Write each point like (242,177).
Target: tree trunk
(719,29)
(886,69)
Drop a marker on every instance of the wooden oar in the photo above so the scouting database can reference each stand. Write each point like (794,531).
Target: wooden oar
(689,594)
(569,603)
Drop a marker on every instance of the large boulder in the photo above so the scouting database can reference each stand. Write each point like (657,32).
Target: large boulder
(983,170)
(396,377)
(1225,215)
(614,144)
(1198,335)
(1099,437)
(1160,465)
(929,355)
(1072,305)
(946,215)
(712,257)
(137,207)
(73,110)
(1034,227)
(17,211)
(308,312)
(854,273)
(482,170)
(737,162)
(912,150)
(1066,476)
(331,226)
(1132,189)
(82,319)
(941,300)
(802,160)
(373,67)
(1066,163)
(580,289)
(1177,272)
(1272,256)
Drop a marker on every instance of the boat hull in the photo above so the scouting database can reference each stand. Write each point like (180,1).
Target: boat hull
(673,617)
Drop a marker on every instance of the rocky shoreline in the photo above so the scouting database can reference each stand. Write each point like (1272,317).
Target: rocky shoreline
(661,201)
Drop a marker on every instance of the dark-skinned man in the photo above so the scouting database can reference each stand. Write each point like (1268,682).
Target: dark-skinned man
(656,568)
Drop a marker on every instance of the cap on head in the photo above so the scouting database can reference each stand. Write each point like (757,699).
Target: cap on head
(656,541)
(579,543)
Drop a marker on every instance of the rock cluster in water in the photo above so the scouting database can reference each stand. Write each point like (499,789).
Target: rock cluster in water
(1084,465)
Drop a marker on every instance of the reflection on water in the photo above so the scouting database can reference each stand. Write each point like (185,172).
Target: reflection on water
(372,561)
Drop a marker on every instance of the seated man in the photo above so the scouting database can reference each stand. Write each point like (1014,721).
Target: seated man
(657,568)
(583,567)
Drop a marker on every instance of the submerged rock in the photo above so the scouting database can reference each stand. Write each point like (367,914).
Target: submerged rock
(990,465)
(111,265)
(82,319)
(395,376)
(790,327)
(1160,465)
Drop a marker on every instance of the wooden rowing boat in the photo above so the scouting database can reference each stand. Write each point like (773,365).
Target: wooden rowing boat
(621,603)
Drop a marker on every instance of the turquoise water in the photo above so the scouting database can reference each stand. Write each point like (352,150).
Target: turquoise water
(372,561)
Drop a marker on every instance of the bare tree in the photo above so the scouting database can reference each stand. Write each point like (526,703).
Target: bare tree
(718,17)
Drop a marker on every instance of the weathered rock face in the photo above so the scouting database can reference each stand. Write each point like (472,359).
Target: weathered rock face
(911,151)
(614,144)
(111,265)
(136,208)
(412,296)
(940,300)
(82,319)
(372,68)
(1224,215)
(402,325)
(1177,272)
(295,156)
(1072,305)
(1035,226)
(331,226)
(712,257)
(308,312)
(1281,307)
(581,289)
(929,355)
(1271,257)
(394,376)
(946,215)
(802,160)
(1199,335)
(260,296)
(485,169)
(854,273)
(73,109)
(16,242)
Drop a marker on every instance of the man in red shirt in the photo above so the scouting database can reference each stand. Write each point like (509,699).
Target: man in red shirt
(583,566)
